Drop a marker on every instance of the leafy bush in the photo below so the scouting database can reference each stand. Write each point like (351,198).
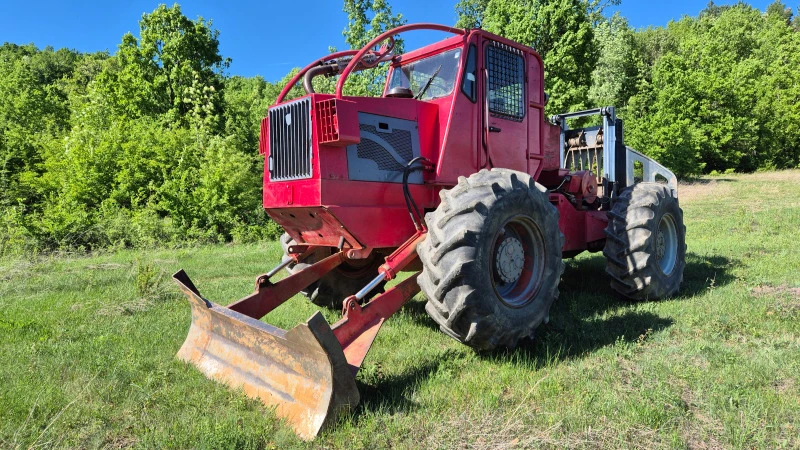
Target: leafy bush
(155,145)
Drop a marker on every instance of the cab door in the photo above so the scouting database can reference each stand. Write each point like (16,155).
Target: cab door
(505,125)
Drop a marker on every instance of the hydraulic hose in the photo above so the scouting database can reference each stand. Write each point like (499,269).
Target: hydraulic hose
(327,69)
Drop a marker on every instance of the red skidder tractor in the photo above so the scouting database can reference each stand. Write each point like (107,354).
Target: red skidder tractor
(453,174)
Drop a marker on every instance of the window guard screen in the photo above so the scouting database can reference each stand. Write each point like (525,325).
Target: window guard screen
(506,93)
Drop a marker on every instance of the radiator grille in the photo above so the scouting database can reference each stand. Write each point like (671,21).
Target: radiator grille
(290,148)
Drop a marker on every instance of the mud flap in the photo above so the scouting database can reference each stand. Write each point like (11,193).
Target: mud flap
(302,372)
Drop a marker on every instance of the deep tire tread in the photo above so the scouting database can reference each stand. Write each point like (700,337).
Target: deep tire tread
(450,268)
(630,244)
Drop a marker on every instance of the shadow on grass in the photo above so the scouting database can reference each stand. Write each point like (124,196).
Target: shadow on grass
(415,310)
(704,272)
(579,325)
(568,339)
(702,181)
(585,289)
(390,393)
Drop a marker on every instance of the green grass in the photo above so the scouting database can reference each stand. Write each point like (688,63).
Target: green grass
(87,349)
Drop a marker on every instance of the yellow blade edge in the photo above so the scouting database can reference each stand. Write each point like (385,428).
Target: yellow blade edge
(302,372)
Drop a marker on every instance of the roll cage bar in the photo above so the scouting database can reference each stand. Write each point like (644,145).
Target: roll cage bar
(359,57)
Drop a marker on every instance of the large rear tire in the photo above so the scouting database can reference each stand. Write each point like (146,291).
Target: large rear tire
(492,259)
(338,284)
(646,243)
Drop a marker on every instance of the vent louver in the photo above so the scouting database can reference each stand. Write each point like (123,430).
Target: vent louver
(290,145)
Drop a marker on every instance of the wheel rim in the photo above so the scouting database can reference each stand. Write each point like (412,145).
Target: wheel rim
(517,261)
(667,244)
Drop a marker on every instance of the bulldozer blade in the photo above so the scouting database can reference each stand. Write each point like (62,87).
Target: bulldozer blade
(302,372)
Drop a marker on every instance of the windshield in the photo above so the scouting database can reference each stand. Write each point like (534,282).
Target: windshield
(429,78)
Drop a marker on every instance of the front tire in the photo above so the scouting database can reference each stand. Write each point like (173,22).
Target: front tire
(646,243)
(492,259)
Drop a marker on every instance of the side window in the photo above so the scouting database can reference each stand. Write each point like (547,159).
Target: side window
(469,84)
(506,90)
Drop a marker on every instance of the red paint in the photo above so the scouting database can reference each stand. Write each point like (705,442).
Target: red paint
(269,296)
(360,324)
(386,35)
(328,208)
(403,256)
(580,227)
(360,217)
(451,133)
(337,122)
(357,329)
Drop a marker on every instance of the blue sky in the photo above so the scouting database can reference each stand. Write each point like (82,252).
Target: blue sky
(265,37)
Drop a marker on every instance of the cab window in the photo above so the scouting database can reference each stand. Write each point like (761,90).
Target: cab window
(506,90)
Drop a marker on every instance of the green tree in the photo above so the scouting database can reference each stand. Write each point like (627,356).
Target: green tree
(470,13)
(560,30)
(777,10)
(615,75)
(246,101)
(174,69)
(152,148)
(697,113)
(595,10)
(366,20)
(34,115)
(778,90)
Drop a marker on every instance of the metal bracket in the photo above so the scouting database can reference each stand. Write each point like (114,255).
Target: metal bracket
(359,253)
(608,113)
(269,296)
(650,168)
(357,329)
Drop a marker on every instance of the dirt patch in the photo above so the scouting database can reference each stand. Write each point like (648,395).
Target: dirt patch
(119,442)
(705,188)
(17,269)
(790,176)
(630,375)
(784,385)
(724,185)
(700,362)
(105,266)
(785,301)
(508,431)
(777,291)
(700,431)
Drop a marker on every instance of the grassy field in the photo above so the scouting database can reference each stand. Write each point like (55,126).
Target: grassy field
(87,349)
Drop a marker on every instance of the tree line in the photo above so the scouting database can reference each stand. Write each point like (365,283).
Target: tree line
(156,145)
